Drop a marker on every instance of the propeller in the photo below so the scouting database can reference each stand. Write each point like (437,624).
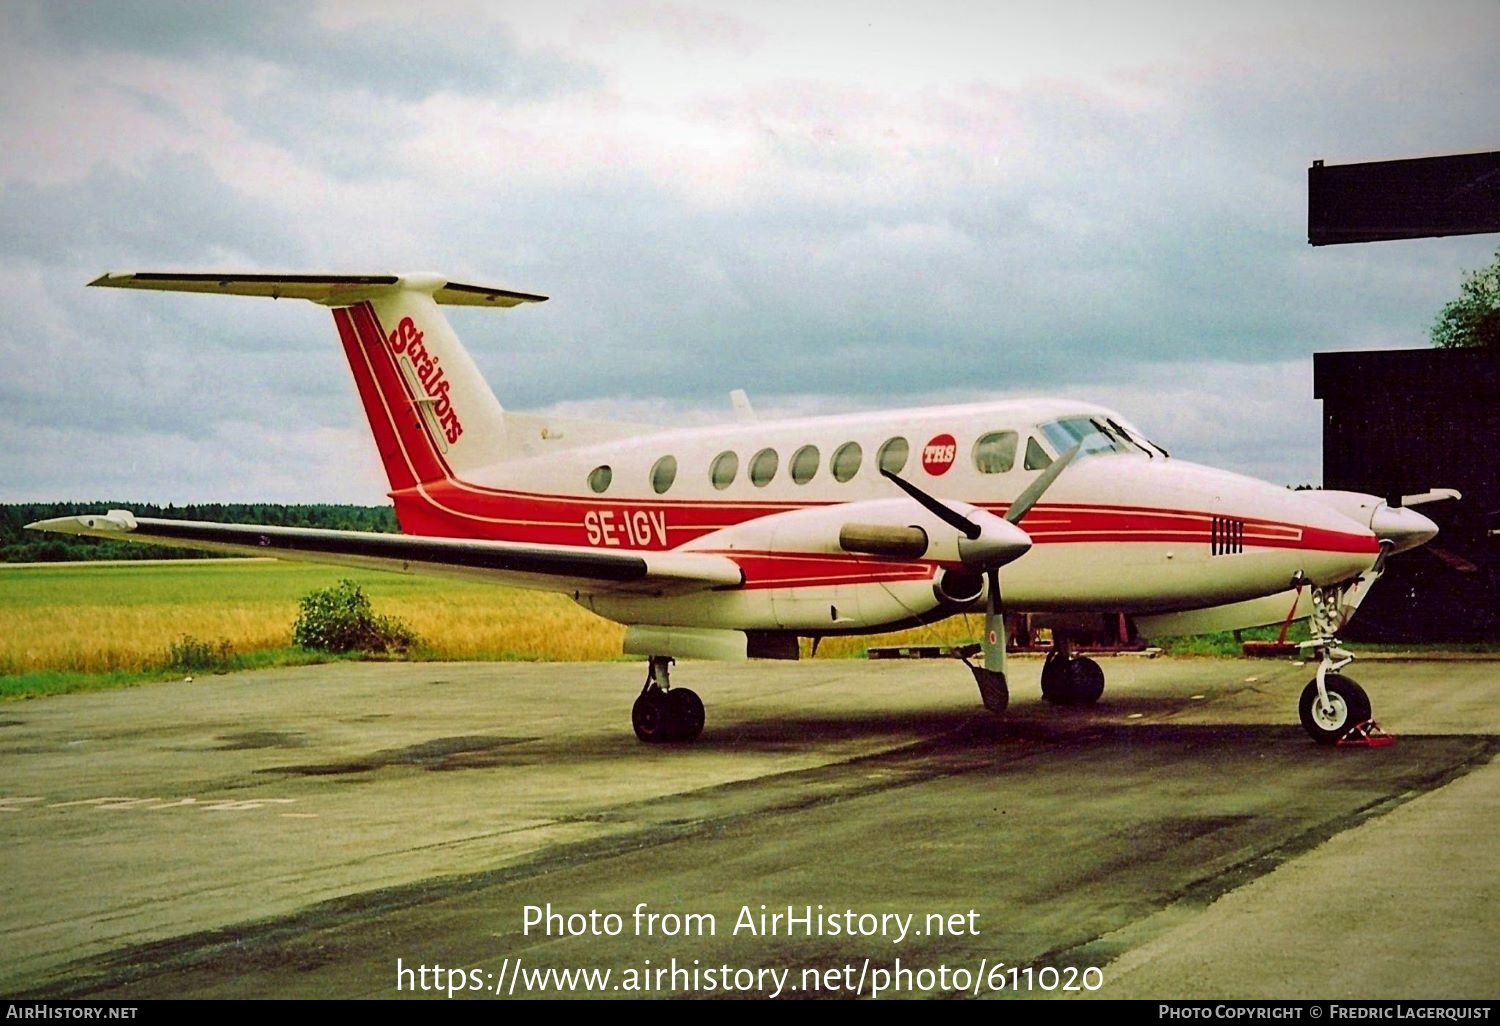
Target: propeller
(993,644)
(991,678)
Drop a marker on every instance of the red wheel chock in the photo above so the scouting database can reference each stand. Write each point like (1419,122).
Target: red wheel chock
(1366,735)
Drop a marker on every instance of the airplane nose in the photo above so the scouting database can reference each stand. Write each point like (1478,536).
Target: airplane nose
(1403,528)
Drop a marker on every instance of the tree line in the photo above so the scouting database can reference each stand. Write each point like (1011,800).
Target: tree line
(18,545)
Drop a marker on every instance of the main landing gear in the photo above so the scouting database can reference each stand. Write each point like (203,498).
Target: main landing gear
(1068,679)
(662,712)
(1333,708)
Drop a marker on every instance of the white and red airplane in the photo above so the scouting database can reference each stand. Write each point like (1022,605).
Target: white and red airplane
(735,541)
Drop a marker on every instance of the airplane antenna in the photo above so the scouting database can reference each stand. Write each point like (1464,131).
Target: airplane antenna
(743,411)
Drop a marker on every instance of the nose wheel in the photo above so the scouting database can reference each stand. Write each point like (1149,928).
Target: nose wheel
(663,713)
(1330,717)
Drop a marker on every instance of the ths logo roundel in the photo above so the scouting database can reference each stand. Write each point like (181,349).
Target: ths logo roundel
(937,455)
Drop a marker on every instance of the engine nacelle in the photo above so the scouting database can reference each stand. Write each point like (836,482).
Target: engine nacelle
(895,529)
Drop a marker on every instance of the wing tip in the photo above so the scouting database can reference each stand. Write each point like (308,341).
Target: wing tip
(115,521)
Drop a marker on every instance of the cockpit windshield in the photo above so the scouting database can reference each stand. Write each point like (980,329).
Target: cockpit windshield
(1095,434)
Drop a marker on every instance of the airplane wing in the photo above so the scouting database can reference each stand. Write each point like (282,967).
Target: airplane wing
(546,567)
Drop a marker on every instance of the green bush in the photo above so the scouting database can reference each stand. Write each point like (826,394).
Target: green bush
(188,653)
(341,619)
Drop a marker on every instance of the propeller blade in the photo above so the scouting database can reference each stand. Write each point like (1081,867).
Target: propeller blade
(993,644)
(1033,492)
(952,517)
(1433,495)
(1451,559)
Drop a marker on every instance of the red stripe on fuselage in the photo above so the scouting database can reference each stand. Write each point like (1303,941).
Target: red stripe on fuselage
(451,509)
(447,508)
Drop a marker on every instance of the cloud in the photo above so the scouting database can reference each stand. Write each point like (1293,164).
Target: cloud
(174,209)
(852,208)
(385,51)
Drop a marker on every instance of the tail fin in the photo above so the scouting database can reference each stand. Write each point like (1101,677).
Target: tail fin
(432,414)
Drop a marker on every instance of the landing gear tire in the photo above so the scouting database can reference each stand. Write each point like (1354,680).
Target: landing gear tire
(1348,706)
(1055,678)
(1085,681)
(652,718)
(686,712)
(1071,681)
(659,716)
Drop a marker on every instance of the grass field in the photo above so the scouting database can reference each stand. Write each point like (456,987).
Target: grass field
(77,626)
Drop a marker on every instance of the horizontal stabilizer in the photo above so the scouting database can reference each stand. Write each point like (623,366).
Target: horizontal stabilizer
(327,289)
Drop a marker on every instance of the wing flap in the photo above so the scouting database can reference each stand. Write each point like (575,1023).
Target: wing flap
(552,568)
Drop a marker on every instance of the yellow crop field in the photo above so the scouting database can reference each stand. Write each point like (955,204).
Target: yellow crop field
(90,618)
(94,618)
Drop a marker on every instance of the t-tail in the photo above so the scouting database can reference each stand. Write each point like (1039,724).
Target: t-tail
(433,416)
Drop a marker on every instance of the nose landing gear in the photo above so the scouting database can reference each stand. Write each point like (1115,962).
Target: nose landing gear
(1333,708)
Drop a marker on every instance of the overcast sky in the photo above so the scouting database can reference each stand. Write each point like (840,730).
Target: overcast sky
(835,206)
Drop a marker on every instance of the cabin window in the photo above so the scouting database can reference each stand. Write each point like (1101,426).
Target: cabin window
(845,462)
(995,453)
(663,474)
(1036,456)
(893,455)
(600,477)
(763,467)
(804,464)
(726,466)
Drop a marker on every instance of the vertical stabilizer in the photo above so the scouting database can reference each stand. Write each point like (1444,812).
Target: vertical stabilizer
(433,415)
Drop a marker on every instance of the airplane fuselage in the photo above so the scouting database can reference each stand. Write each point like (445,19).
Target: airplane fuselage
(1126,529)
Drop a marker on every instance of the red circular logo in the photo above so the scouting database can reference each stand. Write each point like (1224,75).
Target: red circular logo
(938,454)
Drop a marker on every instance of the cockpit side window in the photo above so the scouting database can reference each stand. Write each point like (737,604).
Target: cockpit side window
(1036,456)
